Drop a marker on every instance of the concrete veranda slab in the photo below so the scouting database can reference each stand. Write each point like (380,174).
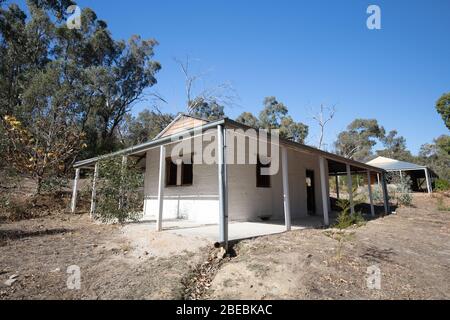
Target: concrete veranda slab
(242,230)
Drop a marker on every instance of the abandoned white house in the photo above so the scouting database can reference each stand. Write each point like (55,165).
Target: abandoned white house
(422,178)
(221,191)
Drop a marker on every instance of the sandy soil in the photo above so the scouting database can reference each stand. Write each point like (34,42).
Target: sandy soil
(411,248)
(115,262)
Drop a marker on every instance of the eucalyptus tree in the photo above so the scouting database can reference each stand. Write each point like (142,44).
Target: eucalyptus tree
(66,91)
(443,108)
(359,139)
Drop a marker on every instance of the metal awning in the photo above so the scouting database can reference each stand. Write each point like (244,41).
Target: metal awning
(389,164)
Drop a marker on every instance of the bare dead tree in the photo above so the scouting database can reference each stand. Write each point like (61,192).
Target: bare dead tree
(223,94)
(323,117)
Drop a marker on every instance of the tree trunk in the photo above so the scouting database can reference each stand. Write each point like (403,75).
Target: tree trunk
(39,185)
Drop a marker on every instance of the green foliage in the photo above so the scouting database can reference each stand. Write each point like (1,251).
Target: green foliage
(402,191)
(54,184)
(144,127)
(275,116)
(395,147)
(359,139)
(377,194)
(272,114)
(248,119)
(436,155)
(209,110)
(345,219)
(126,70)
(295,131)
(404,197)
(443,108)
(119,194)
(63,88)
(442,185)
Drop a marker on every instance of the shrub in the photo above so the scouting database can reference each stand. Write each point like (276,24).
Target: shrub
(405,199)
(404,196)
(441,205)
(377,194)
(345,219)
(54,184)
(401,189)
(119,193)
(442,185)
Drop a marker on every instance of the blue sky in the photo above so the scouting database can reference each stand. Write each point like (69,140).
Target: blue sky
(305,53)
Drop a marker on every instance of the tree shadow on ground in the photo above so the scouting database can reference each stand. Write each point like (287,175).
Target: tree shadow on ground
(364,208)
(16,234)
(377,255)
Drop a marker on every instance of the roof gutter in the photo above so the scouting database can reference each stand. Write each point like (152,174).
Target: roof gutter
(148,145)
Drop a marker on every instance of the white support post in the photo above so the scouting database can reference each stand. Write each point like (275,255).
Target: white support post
(369,186)
(162,170)
(337,186)
(146,183)
(427,177)
(350,188)
(286,199)
(94,190)
(401,176)
(327,185)
(378,180)
(385,194)
(323,187)
(75,190)
(223,186)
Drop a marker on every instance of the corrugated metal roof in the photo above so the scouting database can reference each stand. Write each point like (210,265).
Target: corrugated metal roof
(228,123)
(394,165)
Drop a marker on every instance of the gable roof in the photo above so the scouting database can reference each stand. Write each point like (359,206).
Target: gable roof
(228,123)
(181,123)
(389,164)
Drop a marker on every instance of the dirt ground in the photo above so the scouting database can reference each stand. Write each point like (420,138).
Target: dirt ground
(115,262)
(411,249)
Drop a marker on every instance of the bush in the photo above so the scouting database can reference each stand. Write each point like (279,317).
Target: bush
(54,184)
(405,199)
(345,219)
(119,184)
(442,185)
(401,189)
(377,194)
(441,204)
(404,196)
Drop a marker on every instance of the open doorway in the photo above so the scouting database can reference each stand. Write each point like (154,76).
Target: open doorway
(310,196)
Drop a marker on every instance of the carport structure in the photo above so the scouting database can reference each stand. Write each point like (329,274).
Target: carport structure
(225,190)
(422,177)
(344,169)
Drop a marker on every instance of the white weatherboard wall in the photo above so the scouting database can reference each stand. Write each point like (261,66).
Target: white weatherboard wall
(199,203)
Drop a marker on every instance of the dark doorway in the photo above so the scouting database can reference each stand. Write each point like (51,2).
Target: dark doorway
(310,197)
